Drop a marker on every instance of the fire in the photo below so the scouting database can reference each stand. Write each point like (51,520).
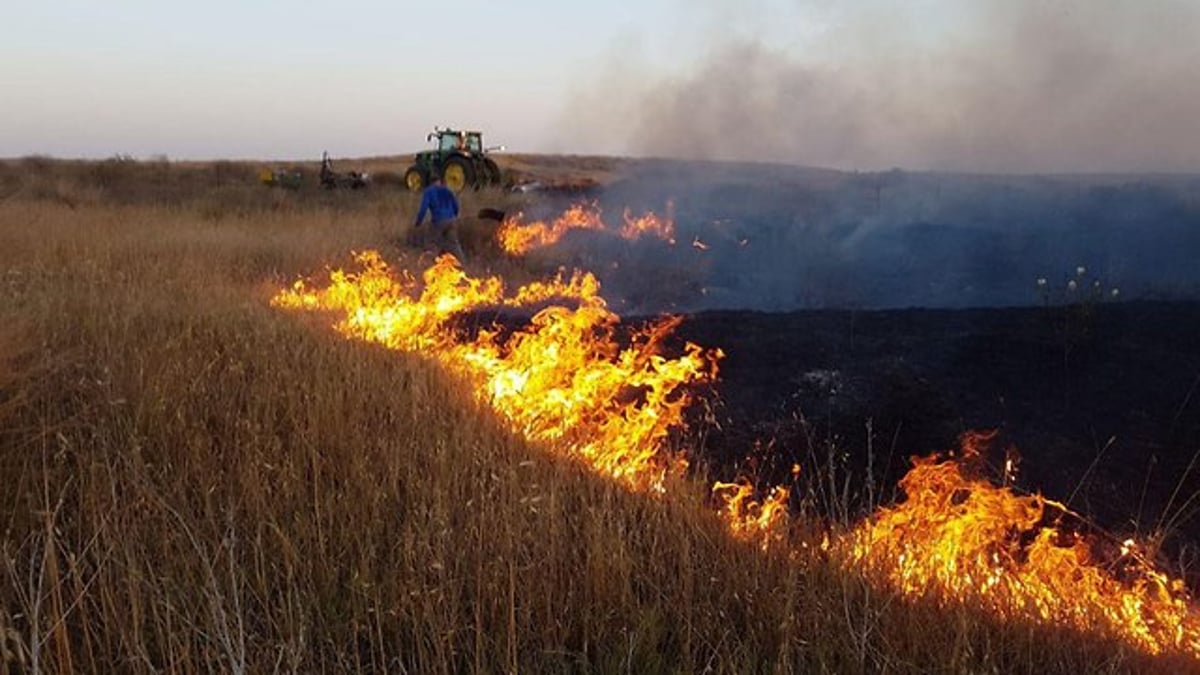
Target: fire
(561,380)
(959,538)
(517,237)
(649,225)
(565,381)
(761,520)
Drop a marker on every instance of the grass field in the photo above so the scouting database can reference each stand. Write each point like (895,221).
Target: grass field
(193,481)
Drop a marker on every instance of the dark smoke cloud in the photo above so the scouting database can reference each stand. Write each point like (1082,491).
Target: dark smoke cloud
(993,85)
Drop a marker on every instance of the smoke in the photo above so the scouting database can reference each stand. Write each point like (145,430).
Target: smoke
(994,86)
(951,92)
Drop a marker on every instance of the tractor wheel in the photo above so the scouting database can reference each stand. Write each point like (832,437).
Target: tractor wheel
(457,174)
(414,179)
(494,177)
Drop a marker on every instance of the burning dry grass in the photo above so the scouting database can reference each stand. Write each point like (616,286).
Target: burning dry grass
(518,237)
(563,380)
(955,538)
(195,482)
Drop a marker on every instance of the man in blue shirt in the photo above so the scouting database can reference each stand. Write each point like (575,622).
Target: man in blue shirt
(442,206)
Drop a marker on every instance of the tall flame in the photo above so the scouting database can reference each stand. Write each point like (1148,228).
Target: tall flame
(959,538)
(517,237)
(563,378)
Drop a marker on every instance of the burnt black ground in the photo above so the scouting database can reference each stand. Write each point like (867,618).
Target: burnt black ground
(1020,330)
(1101,401)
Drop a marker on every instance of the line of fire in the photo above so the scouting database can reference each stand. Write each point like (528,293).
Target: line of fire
(572,378)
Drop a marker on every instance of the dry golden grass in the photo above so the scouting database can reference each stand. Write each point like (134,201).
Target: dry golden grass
(193,482)
(561,170)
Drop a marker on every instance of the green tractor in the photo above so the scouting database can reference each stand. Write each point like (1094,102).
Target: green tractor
(459,158)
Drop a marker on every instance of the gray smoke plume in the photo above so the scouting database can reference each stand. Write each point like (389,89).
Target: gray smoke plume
(1088,97)
(992,85)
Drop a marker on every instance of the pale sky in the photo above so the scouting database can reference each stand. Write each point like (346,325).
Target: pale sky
(268,78)
(996,85)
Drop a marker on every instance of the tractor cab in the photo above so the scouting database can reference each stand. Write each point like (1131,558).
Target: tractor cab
(458,157)
(458,141)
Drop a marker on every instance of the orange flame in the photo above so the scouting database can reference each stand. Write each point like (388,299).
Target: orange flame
(562,378)
(959,538)
(650,225)
(517,237)
(761,520)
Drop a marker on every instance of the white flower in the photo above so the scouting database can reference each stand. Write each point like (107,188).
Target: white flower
(1071,285)
(1116,292)
(1041,282)
(1081,270)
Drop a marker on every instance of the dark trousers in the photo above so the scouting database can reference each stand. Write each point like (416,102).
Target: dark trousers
(440,237)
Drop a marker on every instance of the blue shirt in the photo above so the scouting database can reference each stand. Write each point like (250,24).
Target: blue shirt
(441,204)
